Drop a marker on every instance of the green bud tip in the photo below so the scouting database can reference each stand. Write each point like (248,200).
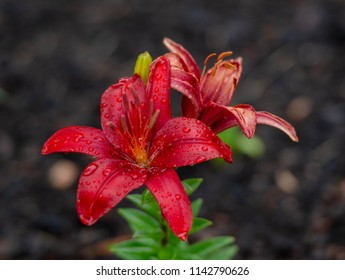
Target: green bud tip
(142,66)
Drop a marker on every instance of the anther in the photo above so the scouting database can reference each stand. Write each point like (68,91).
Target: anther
(231,66)
(125,102)
(135,96)
(123,123)
(153,118)
(224,54)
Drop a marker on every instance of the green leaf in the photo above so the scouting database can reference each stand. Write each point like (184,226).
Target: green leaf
(196,206)
(226,253)
(156,235)
(208,246)
(240,144)
(138,220)
(151,208)
(199,224)
(190,185)
(135,249)
(147,197)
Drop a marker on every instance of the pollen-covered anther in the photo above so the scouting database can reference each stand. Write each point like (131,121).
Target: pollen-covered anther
(223,55)
(135,95)
(125,101)
(123,123)
(153,118)
(231,66)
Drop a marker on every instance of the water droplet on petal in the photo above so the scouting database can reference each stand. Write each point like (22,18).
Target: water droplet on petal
(200,159)
(106,172)
(99,139)
(178,197)
(204,148)
(77,137)
(169,193)
(90,169)
(186,129)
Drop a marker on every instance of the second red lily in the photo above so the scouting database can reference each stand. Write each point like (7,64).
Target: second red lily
(206,96)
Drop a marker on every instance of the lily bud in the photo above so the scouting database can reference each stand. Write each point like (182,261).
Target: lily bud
(142,66)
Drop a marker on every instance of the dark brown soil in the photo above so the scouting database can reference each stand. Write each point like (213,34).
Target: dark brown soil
(57,57)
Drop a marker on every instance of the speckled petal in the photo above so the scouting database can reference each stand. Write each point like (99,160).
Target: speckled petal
(184,54)
(186,141)
(166,187)
(103,184)
(277,122)
(79,139)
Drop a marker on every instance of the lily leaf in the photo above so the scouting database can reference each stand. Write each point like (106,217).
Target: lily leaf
(196,206)
(138,220)
(209,246)
(190,185)
(199,224)
(135,249)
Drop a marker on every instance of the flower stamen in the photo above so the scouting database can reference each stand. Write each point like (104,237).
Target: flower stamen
(223,55)
(206,61)
(153,119)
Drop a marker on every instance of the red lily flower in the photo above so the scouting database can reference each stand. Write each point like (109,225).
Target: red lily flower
(206,96)
(140,143)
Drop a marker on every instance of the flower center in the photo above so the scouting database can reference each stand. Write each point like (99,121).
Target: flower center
(137,123)
(212,83)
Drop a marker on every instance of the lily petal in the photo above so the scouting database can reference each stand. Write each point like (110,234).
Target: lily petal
(220,118)
(275,121)
(79,139)
(158,89)
(186,141)
(103,184)
(188,85)
(112,109)
(168,190)
(184,54)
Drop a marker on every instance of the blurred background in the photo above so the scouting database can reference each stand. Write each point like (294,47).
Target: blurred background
(285,201)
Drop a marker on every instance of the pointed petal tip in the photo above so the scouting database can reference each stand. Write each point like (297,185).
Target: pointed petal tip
(183,236)
(294,138)
(44,150)
(89,221)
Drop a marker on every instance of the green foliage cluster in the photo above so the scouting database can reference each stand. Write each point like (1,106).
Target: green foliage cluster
(153,240)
